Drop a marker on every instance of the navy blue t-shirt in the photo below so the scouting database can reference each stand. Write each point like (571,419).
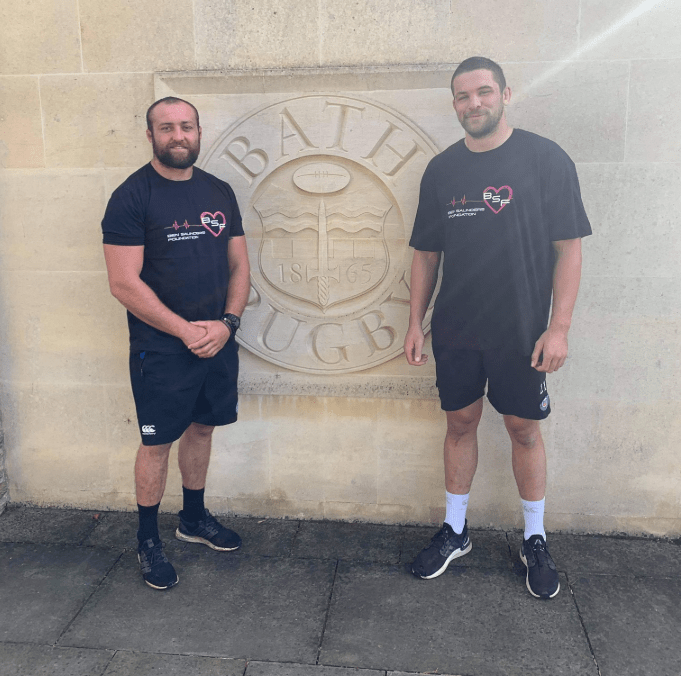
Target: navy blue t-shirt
(494,215)
(185,228)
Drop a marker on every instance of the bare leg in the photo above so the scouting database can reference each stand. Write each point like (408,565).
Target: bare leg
(461,448)
(529,457)
(194,455)
(151,470)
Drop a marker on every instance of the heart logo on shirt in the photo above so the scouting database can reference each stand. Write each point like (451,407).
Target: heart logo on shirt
(214,223)
(496,202)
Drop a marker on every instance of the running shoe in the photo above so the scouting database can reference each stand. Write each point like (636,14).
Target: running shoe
(542,576)
(208,531)
(157,571)
(443,548)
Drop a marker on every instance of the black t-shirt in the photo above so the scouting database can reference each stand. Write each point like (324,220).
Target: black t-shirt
(185,227)
(495,215)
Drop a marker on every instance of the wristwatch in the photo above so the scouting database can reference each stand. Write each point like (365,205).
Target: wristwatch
(232,322)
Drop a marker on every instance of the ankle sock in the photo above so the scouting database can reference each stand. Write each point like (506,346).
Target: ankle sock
(193,508)
(148,519)
(456,511)
(533,511)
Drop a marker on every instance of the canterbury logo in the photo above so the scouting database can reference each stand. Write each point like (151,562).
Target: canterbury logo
(148,429)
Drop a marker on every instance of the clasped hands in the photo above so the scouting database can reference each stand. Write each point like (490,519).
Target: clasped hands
(208,338)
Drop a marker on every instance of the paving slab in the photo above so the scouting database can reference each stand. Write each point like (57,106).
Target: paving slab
(225,606)
(615,556)
(118,530)
(39,660)
(56,526)
(154,664)
(348,541)
(263,537)
(42,588)
(634,623)
(280,669)
(468,620)
(490,548)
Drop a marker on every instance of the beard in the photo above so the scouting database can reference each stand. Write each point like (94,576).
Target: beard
(175,159)
(489,125)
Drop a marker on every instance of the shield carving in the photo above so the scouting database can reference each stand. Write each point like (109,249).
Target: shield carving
(323,233)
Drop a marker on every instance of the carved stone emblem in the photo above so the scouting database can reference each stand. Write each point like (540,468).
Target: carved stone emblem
(328,189)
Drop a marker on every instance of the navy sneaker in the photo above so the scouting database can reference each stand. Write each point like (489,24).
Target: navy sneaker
(208,531)
(157,571)
(542,577)
(443,548)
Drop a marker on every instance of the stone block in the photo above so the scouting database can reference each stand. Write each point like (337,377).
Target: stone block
(238,470)
(41,660)
(634,221)
(489,630)
(632,628)
(96,120)
(57,453)
(46,526)
(276,608)
(241,34)
(40,38)
(50,220)
(68,325)
(629,30)
(354,33)
(279,669)
(151,664)
(43,587)
(21,134)
(124,36)
(555,100)
(651,133)
(439,32)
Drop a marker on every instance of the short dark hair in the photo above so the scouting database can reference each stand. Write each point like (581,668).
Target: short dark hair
(481,63)
(169,100)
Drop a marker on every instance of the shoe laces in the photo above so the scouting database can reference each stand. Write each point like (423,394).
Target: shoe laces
(439,539)
(541,552)
(153,556)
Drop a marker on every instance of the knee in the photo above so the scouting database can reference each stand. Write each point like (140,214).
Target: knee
(199,431)
(459,424)
(524,433)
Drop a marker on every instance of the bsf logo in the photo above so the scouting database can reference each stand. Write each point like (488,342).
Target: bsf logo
(328,189)
(148,429)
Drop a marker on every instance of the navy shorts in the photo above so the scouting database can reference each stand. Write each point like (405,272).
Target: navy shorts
(513,386)
(171,391)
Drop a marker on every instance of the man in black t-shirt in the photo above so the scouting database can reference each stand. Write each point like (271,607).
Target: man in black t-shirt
(503,208)
(176,258)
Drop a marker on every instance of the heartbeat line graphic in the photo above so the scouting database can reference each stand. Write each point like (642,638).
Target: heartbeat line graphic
(463,201)
(176,227)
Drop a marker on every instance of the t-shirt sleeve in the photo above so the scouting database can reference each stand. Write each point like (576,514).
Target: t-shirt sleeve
(563,205)
(123,222)
(428,233)
(236,228)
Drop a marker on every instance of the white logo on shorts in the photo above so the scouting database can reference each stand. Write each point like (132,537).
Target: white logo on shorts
(148,429)
(545,403)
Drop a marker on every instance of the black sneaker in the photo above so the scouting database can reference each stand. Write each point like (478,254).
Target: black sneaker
(443,548)
(542,576)
(208,531)
(157,571)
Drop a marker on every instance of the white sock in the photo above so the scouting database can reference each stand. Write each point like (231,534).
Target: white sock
(456,511)
(533,511)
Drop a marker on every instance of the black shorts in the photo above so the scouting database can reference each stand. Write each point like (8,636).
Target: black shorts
(513,386)
(172,391)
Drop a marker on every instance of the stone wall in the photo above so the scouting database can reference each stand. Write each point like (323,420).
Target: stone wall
(597,76)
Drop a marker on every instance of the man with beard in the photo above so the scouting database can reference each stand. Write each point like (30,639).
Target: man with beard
(504,207)
(176,257)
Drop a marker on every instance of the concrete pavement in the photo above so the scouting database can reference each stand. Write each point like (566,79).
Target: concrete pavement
(304,598)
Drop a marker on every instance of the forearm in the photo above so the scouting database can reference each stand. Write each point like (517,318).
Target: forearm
(139,299)
(566,275)
(238,289)
(424,270)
